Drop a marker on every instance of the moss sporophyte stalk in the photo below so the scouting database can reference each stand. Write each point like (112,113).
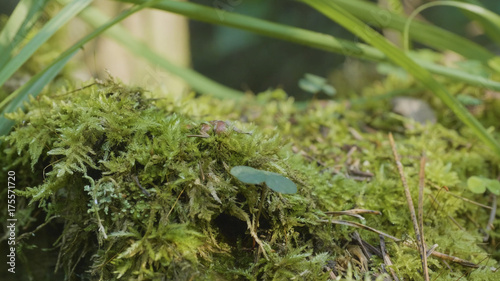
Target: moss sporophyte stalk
(138,188)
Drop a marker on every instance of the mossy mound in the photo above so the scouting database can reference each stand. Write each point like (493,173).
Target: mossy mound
(135,192)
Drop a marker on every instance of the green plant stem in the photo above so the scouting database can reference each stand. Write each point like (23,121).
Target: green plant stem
(312,39)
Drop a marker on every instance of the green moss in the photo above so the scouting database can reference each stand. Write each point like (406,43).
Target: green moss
(137,197)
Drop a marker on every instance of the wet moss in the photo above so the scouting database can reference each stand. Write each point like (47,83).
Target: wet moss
(136,196)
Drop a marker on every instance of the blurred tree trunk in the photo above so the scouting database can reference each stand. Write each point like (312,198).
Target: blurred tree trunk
(165,33)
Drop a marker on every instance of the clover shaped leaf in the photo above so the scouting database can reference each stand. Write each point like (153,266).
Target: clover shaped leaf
(479,185)
(274,181)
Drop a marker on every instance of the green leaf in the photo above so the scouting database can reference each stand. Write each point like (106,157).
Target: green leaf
(314,84)
(281,184)
(248,175)
(274,181)
(476,184)
(309,86)
(494,186)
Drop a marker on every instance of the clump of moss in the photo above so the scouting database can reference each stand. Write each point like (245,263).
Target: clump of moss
(137,191)
(139,198)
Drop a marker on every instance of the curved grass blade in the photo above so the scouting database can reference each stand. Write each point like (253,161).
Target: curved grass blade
(489,28)
(54,24)
(421,32)
(483,13)
(199,82)
(314,39)
(351,23)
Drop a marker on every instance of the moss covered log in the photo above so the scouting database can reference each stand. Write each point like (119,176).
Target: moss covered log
(140,188)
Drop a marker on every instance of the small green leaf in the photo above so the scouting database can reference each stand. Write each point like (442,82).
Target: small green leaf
(314,84)
(494,186)
(476,184)
(315,79)
(274,181)
(329,90)
(248,175)
(309,86)
(281,184)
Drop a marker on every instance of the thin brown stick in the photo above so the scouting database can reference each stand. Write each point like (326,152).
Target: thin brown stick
(421,184)
(460,197)
(386,258)
(358,239)
(172,208)
(450,217)
(454,259)
(358,225)
(353,211)
(136,180)
(469,201)
(408,198)
(433,247)
(493,213)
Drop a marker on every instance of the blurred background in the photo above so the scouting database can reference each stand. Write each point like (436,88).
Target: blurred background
(239,59)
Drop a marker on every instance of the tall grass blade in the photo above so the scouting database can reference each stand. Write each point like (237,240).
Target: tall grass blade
(54,24)
(17,27)
(37,82)
(421,32)
(492,18)
(351,23)
(34,86)
(305,37)
(489,28)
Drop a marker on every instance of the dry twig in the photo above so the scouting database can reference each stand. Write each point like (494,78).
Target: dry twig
(386,258)
(353,213)
(358,225)
(493,213)
(460,197)
(408,199)
(421,183)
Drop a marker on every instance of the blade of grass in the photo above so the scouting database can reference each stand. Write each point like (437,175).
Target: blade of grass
(17,27)
(356,26)
(305,37)
(54,24)
(199,82)
(489,28)
(33,86)
(491,17)
(421,32)
(266,28)
(37,82)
